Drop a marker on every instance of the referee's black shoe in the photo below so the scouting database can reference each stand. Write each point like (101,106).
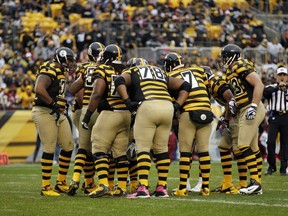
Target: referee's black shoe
(270,171)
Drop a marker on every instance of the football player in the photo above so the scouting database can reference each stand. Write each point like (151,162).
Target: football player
(50,116)
(84,155)
(195,122)
(222,93)
(131,152)
(248,110)
(111,130)
(149,84)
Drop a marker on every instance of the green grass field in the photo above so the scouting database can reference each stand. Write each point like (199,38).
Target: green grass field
(20,195)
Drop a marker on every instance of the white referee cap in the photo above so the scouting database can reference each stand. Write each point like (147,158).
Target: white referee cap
(282,70)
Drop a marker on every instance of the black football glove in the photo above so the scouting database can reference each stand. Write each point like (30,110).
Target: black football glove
(176,107)
(131,105)
(86,119)
(55,109)
(223,123)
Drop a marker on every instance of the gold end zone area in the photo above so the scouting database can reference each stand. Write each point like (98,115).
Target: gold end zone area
(17,135)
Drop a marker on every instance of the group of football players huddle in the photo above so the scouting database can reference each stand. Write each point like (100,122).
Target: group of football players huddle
(120,107)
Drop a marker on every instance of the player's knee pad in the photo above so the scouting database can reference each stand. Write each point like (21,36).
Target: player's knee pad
(100,155)
(122,161)
(162,156)
(186,154)
(82,151)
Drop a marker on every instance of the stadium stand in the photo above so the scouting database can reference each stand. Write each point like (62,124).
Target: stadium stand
(190,24)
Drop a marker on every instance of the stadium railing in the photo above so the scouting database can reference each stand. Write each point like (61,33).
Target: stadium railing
(194,54)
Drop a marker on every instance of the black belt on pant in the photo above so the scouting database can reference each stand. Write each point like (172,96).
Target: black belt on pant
(279,113)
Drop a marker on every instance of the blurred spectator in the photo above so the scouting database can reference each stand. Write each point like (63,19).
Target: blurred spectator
(262,50)
(29,5)
(7,53)
(284,40)
(50,49)
(37,33)
(217,15)
(88,11)
(275,48)
(9,78)
(16,19)
(77,7)
(17,62)
(80,38)
(2,46)
(27,97)
(40,50)
(227,24)
(201,29)
(235,13)
(67,10)
(245,41)
(96,34)
(26,39)
(68,39)
(19,76)
(284,25)
(257,28)
(2,60)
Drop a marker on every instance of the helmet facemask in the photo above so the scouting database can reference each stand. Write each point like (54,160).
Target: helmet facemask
(228,60)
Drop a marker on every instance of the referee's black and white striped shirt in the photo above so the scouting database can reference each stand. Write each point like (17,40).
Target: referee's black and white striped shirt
(277,100)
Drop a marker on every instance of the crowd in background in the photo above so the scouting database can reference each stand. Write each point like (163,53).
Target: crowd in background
(150,24)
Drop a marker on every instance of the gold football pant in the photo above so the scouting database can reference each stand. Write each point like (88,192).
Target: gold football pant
(248,129)
(152,126)
(189,130)
(76,118)
(85,135)
(51,132)
(111,132)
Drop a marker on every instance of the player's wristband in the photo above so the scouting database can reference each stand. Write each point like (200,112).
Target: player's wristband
(254,105)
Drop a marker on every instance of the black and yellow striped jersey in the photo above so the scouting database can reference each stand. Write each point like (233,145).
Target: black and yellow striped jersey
(217,86)
(148,83)
(111,99)
(57,88)
(86,71)
(198,98)
(236,77)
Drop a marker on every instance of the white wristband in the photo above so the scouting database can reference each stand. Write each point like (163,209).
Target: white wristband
(254,104)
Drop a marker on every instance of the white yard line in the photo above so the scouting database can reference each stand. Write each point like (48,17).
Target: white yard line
(231,202)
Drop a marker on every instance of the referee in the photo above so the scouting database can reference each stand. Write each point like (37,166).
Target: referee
(277,97)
